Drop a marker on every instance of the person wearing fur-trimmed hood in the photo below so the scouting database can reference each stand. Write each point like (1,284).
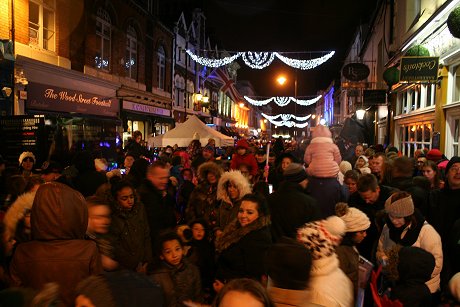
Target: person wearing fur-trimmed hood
(231,188)
(244,242)
(203,200)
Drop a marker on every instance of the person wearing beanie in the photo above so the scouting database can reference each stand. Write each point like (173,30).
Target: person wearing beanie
(329,286)
(288,266)
(356,223)
(207,155)
(290,206)
(362,164)
(344,167)
(323,158)
(275,175)
(26,163)
(434,155)
(406,226)
(243,156)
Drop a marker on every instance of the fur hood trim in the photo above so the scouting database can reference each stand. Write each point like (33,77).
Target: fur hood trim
(238,180)
(207,167)
(321,139)
(16,213)
(233,233)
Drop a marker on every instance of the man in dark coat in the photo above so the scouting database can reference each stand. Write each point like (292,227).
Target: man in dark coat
(370,199)
(444,211)
(158,204)
(401,179)
(290,207)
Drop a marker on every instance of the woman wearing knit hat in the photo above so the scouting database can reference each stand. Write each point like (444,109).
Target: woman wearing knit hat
(26,163)
(329,286)
(356,223)
(406,226)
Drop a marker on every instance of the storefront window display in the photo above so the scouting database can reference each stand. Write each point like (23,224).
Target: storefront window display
(415,136)
(416,97)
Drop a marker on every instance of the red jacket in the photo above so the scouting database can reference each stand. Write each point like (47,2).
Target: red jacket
(247,159)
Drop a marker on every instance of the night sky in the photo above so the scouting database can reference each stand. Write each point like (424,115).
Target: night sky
(289,26)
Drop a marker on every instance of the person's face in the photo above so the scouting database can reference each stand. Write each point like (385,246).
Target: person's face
(359,150)
(99,219)
(187,175)
(129,160)
(247,213)
(260,158)
(83,301)
(232,190)
(285,163)
(159,178)
(27,164)
(453,176)
(376,165)
(428,172)
(359,236)
(125,198)
(420,162)
(370,196)
(352,185)
(172,252)
(398,222)
(244,170)
(271,160)
(207,154)
(198,231)
(139,139)
(241,299)
(360,162)
(241,151)
(211,177)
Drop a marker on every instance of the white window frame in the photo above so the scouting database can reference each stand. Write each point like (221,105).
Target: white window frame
(103,18)
(161,68)
(131,53)
(410,95)
(413,145)
(40,30)
(452,141)
(179,85)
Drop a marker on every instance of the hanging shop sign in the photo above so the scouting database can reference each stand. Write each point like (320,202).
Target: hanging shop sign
(355,71)
(419,69)
(143,108)
(57,99)
(374,97)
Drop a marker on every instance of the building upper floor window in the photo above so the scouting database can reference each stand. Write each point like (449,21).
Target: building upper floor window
(179,85)
(416,97)
(42,24)
(103,40)
(161,68)
(131,53)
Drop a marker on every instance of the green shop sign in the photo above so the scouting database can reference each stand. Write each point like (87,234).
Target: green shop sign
(419,69)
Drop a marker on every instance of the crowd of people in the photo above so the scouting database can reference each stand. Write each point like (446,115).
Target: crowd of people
(316,223)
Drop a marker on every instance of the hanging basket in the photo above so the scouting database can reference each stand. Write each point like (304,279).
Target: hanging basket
(453,22)
(417,50)
(391,76)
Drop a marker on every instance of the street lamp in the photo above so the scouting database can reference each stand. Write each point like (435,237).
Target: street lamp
(281,80)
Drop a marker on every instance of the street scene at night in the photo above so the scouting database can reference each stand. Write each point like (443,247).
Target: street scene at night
(229,153)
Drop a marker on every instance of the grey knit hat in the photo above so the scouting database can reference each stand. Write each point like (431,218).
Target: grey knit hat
(295,172)
(400,208)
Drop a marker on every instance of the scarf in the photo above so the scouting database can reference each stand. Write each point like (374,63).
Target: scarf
(234,232)
(412,233)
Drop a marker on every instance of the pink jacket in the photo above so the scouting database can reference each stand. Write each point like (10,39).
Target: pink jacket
(323,158)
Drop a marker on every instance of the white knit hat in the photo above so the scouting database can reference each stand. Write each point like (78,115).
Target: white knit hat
(345,166)
(355,220)
(321,237)
(26,154)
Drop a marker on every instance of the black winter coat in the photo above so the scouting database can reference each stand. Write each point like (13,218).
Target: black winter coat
(290,208)
(241,250)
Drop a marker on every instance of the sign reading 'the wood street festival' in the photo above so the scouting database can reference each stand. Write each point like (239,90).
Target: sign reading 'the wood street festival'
(419,69)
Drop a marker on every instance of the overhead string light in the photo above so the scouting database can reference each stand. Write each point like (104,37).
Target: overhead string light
(289,123)
(286,117)
(282,101)
(260,60)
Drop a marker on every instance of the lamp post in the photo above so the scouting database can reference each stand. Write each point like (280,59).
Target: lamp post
(281,81)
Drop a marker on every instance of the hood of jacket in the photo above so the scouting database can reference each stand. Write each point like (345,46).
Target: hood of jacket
(207,167)
(321,131)
(415,265)
(237,180)
(58,213)
(16,213)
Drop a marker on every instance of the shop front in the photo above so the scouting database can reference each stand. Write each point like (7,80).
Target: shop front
(148,119)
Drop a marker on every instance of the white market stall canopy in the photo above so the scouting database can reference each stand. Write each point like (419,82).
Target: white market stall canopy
(183,134)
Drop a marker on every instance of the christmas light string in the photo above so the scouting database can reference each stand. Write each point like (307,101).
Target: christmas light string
(286,117)
(260,60)
(282,101)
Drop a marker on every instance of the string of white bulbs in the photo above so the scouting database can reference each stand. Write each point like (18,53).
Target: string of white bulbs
(285,120)
(260,60)
(282,101)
